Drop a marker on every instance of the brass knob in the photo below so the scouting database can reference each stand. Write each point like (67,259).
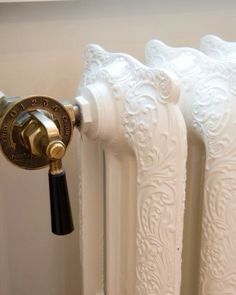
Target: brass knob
(56,150)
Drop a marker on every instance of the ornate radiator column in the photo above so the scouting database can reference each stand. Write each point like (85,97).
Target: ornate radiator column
(218,49)
(132,110)
(208,101)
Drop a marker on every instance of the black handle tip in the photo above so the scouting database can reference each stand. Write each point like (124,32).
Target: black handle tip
(61,217)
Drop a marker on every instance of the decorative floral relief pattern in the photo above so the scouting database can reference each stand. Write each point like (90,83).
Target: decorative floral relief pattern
(212,101)
(218,265)
(95,57)
(159,242)
(217,48)
(152,125)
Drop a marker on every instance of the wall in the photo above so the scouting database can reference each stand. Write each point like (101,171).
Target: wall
(41,51)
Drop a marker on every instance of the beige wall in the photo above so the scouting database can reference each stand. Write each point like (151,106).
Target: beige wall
(41,51)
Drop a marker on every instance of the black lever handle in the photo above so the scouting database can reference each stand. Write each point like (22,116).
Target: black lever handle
(61,217)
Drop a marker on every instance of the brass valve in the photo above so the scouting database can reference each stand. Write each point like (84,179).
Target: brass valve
(35,132)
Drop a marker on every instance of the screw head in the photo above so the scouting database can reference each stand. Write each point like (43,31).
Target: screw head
(56,150)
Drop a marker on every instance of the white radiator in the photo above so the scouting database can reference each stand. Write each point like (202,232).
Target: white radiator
(134,173)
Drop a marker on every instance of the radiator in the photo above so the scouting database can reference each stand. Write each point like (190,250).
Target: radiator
(158,161)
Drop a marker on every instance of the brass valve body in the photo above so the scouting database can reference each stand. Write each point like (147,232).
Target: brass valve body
(34,130)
